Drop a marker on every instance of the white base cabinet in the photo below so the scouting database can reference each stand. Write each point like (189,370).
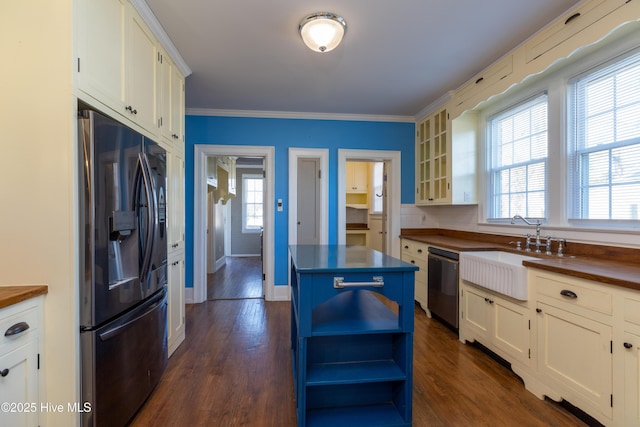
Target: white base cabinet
(19,363)
(416,253)
(500,323)
(574,339)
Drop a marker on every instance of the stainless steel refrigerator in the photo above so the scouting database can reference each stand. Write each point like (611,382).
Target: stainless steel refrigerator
(123,262)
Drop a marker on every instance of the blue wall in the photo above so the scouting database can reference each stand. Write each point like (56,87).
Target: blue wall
(299,133)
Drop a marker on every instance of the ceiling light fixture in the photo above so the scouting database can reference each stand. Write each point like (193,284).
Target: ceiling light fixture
(322,31)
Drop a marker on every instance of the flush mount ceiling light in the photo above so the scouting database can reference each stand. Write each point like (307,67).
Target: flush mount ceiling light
(322,31)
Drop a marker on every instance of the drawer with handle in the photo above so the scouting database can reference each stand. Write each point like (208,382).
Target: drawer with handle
(17,324)
(574,292)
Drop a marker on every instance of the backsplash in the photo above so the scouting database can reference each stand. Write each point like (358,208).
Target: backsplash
(465,218)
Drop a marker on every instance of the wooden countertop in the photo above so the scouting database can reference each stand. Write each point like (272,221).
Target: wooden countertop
(10,295)
(602,271)
(454,243)
(609,271)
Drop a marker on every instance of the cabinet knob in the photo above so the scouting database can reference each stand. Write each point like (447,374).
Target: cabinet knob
(413,261)
(419,251)
(4,372)
(626,345)
(538,310)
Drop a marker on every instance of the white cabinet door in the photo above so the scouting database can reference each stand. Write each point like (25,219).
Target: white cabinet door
(177,105)
(357,177)
(19,385)
(631,349)
(475,314)
(101,54)
(175,168)
(140,85)
(176,315)
(575,352)
(163,91)
(511,332)
(433,160)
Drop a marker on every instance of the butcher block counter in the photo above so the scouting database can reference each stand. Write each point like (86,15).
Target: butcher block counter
(612,265)
(10,295)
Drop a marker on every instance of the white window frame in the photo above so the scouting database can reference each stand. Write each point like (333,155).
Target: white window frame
(555,82)
(575,140)
(493,168)
(247,176)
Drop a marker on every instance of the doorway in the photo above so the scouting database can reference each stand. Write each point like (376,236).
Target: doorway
(200,252)
(234,232)
(392,165)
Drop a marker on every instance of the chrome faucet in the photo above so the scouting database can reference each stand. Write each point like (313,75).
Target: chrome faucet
(537,224)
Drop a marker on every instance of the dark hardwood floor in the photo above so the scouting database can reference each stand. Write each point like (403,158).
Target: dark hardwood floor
(234,369)
(240,277)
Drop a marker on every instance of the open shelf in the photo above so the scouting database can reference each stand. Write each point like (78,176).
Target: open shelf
(353,312)
(368,415)
(354,372)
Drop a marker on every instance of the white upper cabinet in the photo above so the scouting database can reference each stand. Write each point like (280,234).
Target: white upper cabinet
(122,66)
(101,55)
(170,99)
(141,60)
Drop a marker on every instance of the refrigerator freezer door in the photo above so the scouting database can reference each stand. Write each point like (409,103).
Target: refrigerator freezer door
(123,362)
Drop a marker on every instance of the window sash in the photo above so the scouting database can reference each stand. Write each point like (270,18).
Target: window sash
(604,135)
(518,160)
(252,203)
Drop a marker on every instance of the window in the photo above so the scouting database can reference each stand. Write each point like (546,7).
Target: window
(604,158)
(252,203)
(378,178)
(518,160)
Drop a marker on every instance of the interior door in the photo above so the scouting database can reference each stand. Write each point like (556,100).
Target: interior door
(385,207)
(308,201)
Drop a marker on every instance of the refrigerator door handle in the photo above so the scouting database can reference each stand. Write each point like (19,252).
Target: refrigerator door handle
(144,176)
(150,306)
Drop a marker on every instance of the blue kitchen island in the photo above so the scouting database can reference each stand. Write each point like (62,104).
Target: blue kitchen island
(351,336)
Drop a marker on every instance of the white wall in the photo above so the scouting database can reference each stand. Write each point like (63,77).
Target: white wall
(37,181)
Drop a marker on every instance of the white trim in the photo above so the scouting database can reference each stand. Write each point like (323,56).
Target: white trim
(393,188)
(201,152)
(298,115)
(156,28)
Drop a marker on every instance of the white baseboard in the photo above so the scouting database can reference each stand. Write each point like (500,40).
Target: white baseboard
(188,296)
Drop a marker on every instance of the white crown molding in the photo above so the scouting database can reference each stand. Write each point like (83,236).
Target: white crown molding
(156,28)
(435,104)
(298,115)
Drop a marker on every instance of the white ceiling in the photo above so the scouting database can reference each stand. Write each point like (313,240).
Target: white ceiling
(396,58)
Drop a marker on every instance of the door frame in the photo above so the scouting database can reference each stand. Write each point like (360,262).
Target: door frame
(322,154)
(201,152)
(393,159)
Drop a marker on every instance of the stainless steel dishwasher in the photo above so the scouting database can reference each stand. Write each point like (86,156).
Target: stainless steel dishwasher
(442,285)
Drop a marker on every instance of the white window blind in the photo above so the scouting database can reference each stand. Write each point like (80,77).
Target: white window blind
(252,203)
(604,159)
(518,160)
(378,177)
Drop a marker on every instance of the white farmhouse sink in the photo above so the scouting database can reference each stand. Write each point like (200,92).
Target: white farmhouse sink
(499,271)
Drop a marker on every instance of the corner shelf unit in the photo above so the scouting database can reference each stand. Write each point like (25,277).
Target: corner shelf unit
(351,337)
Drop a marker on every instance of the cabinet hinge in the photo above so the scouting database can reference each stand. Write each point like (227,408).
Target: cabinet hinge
(38,361)
(264,174)
(612,400)
(78,64)
(529,329)
(611,347)
(264,276)
(529,353)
